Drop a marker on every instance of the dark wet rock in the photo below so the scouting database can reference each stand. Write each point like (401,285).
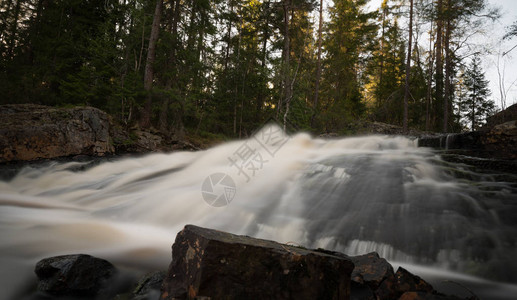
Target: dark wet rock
(373,278)
(497,139)
(360,291)
(409,282)
(469,140)
(370,269)
(210,264)
(403,281)
(499,142)
(149,286)
(30,132)
(76,275)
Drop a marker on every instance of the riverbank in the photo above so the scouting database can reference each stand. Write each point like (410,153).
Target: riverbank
(30,132)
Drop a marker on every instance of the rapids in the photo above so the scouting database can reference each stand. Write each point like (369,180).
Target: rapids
(353,195)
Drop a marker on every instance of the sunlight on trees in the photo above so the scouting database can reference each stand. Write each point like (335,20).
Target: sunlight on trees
(189,67)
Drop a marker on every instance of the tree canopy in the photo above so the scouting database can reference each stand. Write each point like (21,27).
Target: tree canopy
(225,67)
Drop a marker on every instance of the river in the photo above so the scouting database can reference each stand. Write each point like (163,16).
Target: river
(441,220)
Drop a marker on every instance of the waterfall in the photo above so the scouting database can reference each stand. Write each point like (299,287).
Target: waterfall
(354,195)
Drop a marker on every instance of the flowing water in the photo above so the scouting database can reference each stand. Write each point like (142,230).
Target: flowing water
(353,195)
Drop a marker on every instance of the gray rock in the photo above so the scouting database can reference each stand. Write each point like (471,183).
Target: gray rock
(30,132)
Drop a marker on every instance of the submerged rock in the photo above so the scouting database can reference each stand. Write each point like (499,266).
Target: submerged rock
(78,275)
(149,286)
(210,264)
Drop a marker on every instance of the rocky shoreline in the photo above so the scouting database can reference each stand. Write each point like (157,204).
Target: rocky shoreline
(210,264)
(30,132)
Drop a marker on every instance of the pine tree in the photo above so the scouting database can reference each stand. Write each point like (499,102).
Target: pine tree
(475,106)
(386,68)
(347,44)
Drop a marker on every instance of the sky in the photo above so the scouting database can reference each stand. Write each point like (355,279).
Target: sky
(509,11)
(492,39)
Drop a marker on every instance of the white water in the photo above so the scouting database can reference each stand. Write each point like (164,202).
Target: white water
(353,195)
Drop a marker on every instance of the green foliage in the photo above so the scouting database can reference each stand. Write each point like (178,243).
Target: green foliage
(474,106)
(220,66)
(386,69)
(348,47)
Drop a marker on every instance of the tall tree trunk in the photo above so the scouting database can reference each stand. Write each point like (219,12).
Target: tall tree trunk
(473,120)
(13,30)
(6,8)
(265,32)
(439,64)
(448,68)
(383,34)
(408,67)
(432,50)
(145,121)
(286,52)
(318,67)
(236,90)
(164,112)
(34,31)
(228,37)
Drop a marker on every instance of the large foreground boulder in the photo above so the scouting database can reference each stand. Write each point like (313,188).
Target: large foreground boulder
(210,264)
(30,132)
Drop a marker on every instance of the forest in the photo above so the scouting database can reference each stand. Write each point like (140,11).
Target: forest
(223,68)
